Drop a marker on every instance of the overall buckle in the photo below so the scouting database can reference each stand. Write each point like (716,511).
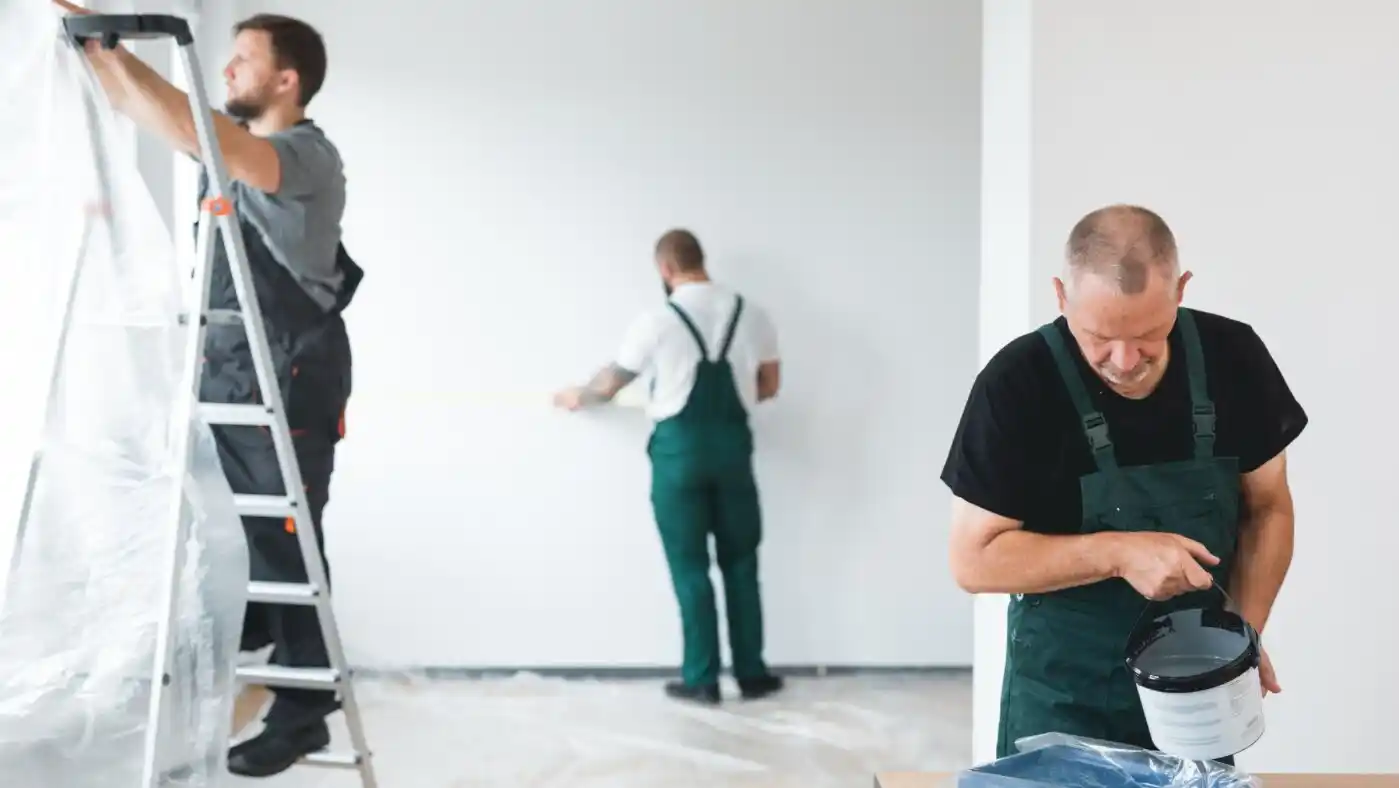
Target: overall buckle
(1203,416)
(1096,427)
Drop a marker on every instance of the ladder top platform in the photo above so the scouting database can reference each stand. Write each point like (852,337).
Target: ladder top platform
(111,28)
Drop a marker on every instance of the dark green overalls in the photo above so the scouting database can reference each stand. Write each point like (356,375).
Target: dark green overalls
(1065,669)
(701,484)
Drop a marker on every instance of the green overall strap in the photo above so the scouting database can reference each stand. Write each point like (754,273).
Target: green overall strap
(1095,427)
(1201,408)
(694,332)
(733,324)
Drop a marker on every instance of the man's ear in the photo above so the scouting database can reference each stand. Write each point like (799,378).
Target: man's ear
(1180,287)
(290,81)
(1059,293)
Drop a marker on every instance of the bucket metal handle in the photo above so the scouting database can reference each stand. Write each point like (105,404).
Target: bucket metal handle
(1254,638)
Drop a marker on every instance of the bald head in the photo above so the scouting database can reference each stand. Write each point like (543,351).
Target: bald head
(681,249)
(1120,293)
(1124,244)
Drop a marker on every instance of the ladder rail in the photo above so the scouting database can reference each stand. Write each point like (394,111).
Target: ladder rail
(98,211)
(180,424)
(217,213)
(175,549)
(36,461)
(254,327)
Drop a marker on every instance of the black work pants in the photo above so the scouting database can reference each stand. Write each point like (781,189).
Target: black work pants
(274,553)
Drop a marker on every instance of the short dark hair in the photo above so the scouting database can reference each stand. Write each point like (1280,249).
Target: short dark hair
(296,45)
(1126,242)
(681,248)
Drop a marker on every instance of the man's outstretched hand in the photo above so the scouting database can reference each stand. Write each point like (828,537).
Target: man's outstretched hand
(572,398)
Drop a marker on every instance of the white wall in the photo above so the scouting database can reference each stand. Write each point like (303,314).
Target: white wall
(1006,291)
(1261,131)
(510,165)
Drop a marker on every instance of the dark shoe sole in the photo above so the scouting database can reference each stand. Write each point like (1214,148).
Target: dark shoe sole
(757,689)
(707,695)
(274,751)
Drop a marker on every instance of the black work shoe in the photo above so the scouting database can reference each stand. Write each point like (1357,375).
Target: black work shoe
(753,689)
(241,747)
(277,749)
(702,693)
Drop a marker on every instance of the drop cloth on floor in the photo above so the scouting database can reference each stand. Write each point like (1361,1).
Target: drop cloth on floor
(534,732)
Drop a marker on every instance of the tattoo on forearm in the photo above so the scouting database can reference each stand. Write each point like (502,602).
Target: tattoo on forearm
(606,383)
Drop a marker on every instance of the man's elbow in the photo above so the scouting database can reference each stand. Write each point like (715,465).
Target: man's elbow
(968,574)
(972,582)
(769,380)
(974,532)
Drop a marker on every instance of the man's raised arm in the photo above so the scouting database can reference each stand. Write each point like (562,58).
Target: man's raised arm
(139,92)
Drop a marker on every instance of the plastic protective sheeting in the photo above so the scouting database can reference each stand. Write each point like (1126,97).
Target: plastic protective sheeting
(1052,760)
(83,594)
(532,731)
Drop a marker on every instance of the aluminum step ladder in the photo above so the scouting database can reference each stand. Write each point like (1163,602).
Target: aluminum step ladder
(110,30)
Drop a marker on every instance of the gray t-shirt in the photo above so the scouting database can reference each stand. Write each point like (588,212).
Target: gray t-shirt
(300,223)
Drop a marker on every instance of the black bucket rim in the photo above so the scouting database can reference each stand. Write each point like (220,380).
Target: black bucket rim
(1144,635)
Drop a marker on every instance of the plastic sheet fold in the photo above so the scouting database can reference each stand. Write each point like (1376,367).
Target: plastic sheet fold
(1054,760)
(85,569)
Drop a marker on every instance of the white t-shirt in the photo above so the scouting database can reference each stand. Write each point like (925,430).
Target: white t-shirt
(658,343)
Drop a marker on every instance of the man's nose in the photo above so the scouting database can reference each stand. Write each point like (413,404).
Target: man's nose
(1125,357)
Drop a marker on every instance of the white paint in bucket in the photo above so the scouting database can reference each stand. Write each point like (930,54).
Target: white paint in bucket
(1197,676)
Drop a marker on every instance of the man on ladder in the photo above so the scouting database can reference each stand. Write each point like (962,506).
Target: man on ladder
(714,356)
(288,189)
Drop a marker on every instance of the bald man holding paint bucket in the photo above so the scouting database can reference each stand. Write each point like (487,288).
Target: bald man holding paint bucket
(1132,450)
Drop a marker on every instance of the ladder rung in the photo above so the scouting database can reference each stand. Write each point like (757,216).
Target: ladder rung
(281,676)
(334,760)
(217,317)
(263,505)
(282,593)
(223,317)
(235,415)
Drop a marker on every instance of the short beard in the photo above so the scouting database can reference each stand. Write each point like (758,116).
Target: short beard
(243,110)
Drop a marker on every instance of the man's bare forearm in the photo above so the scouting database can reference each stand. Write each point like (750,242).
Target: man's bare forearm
(1263,558)
(606,383)
(151,102)
(142,94)
(1022,562)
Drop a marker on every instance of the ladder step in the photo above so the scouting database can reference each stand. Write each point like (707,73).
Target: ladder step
(235,415)
(263,505)
(334,760)
(217,317)
(280,676)
(282,593)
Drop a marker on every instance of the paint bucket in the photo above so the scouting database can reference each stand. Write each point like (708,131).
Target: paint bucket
(1197,674)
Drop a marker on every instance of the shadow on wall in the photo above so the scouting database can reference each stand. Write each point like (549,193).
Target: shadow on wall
(822,367)
(817,444)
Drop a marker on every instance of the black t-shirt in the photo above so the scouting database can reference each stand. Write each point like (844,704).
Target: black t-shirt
(1020,449)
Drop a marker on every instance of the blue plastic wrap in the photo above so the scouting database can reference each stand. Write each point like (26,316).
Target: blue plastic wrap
(1056,760)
